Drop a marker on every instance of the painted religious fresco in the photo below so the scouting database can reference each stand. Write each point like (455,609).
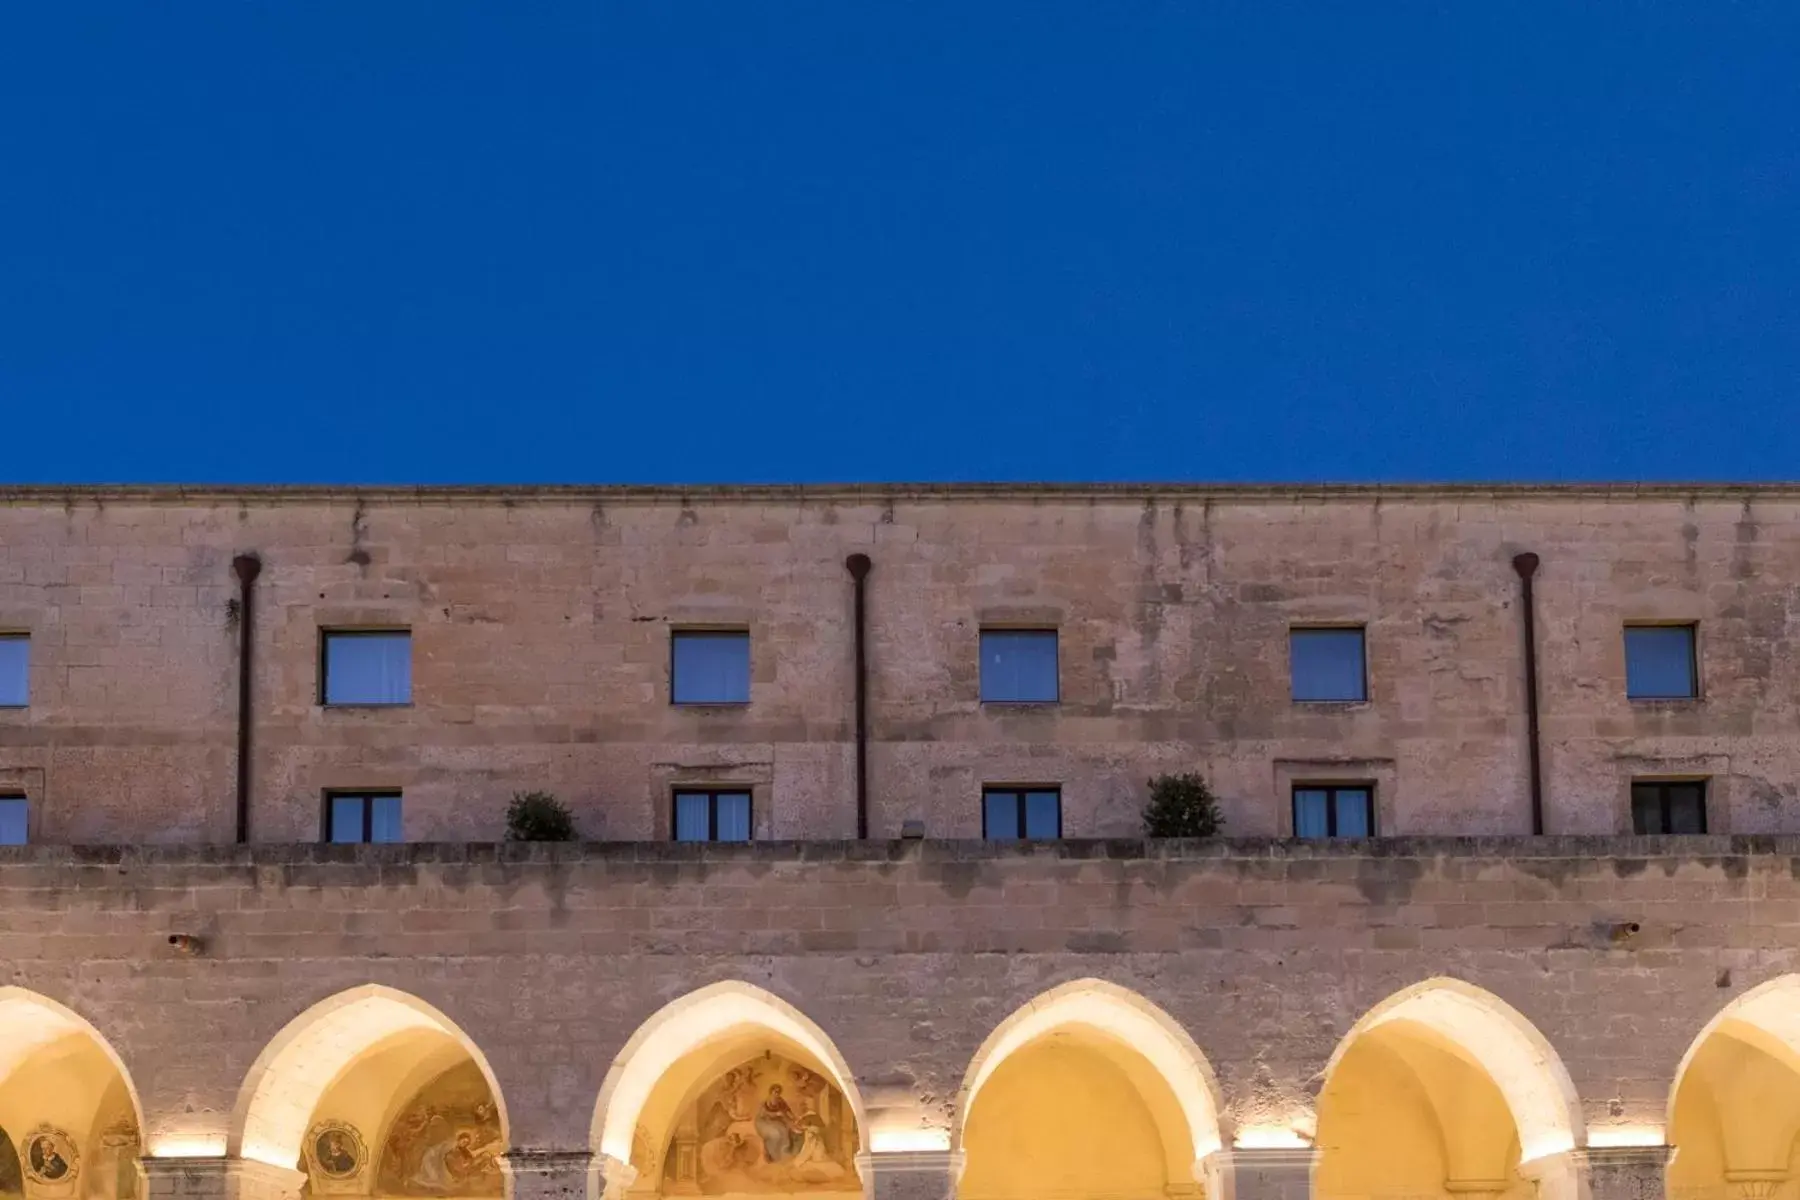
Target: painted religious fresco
(446,1141)
(769,1125)
(12,1174)
(334,1157)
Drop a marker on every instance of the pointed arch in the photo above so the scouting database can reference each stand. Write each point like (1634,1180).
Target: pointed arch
(688,1023)
(285,1083)
(1771,1009)
(1499,1039)
(1117,1014)
(29,1021)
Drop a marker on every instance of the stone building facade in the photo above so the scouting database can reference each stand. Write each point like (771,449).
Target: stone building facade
(1457,1006)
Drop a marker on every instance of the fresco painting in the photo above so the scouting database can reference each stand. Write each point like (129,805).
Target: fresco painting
(12,1173)
(770,1125)
(446,1141)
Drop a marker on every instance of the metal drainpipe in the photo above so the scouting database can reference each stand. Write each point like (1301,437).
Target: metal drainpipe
(246,567)
(859,567)
(1526,565)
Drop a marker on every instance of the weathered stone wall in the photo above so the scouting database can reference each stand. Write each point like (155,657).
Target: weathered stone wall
(541,624)
(907,955)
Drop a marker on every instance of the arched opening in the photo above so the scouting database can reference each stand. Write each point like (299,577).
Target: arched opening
(373,1092)
(1088,1090)
(1734,1111)
(70,1127)
(727,1091)
(1444,1090)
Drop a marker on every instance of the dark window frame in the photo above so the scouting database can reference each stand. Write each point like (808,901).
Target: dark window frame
(1664,787)
(368,812)
(327,632)
(711,632)
(1361,629)
(1331,788)
(1692,628)
(19,635)
(10,797)
(1050,631)
(712,795)
(1021,790)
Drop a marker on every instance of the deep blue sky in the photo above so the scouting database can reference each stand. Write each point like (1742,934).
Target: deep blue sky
(755,241)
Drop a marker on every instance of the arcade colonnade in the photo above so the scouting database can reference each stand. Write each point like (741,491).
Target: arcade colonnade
(1087,1092)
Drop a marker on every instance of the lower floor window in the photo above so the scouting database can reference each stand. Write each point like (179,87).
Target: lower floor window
(12,821)
(1334,811)
(1668,806)
(712,815)
(1011,813)
(363,817)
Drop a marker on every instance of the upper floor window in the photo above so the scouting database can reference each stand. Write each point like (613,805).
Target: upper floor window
(712,815)
(363,817)
(1009,813)
(1327,664)
(365,666)
(709,666)
(13,813)
(1018,666)
(1668,806)
(1660,663)
(1334,810)
(15,670)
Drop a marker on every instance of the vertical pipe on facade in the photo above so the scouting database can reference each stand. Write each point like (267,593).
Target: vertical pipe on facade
(1526,565)
(859,566)
(246,567)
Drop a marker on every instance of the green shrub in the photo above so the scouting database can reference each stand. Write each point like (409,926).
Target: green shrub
(538,817)
(1182,806)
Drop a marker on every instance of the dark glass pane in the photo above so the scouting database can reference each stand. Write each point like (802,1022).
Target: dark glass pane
(15,671)
(1002,815)
(384,819)
(1687,808)
(1646,809)
(1018,666)
(693,817)
(711,667)
(12,821)
(1352,812)
(1659,662)
(346,818)
(734,816)
(1327,664)
(368,668)
(1043,814)
(1310,813)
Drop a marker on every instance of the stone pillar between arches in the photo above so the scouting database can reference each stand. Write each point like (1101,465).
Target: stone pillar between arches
(1601,1173)
(218,1177)
(555,1175)
(910,1174)
(1273,1173)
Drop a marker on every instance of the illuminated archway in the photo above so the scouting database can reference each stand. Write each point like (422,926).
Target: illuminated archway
(685,1097)
(1086,1089)
(1444,1089)
(64,1092)
(1734,1107)
(364,1071)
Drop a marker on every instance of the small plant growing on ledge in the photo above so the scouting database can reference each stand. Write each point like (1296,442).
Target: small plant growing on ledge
(1182,806)
(538,817)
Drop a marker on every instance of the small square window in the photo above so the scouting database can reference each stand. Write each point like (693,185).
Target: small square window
(1018,666)
(14,830)
(1660,663)
(1334,810)
(1668,806)
(1327,665)
(712,815)
(365,667)
(363,817)
(1008,814)
(15,670)
(709,666)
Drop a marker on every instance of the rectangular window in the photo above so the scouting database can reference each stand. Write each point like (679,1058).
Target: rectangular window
(363,817)
(15,670)
(1660,663)
(712,815)
(1334,810)
(13,813)
(365,667)
(709,666)
(1668,806)
(1327,664)
(1018,666)
(1008,814)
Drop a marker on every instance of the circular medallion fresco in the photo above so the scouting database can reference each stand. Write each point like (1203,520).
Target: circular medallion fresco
(50,1156)
(336,1149)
